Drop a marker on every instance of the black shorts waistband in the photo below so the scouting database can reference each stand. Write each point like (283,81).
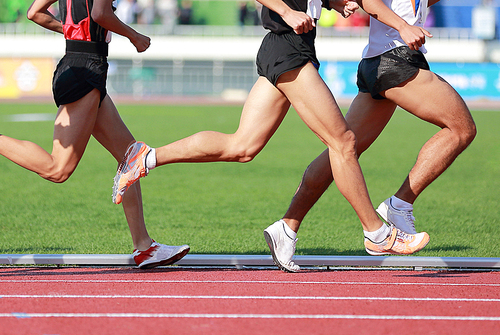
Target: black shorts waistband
(98,48)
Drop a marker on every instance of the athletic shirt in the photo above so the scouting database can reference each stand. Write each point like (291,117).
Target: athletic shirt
(272,21)
(384,38)
(78,24)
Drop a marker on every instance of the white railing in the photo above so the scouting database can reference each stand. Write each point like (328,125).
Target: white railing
(222,31)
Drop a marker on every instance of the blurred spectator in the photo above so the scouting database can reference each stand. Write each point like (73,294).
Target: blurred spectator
(249,13)
(13,10)
(328,18)
(186,12)
(359,19)
(145,11)
(126,11)
(167,11)
(331,18)
(243,13)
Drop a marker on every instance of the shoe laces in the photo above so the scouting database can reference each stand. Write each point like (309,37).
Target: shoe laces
(401,235)
(410,218)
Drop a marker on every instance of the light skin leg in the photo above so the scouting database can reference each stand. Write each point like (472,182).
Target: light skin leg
(444,108)
(74,124)
(72,130)
(113,134)
(262,113)
(367,118)
(304,85)
(264,110)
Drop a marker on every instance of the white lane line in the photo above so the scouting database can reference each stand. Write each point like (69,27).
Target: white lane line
(240,282)
(34,117)
(250,316)
(229,297)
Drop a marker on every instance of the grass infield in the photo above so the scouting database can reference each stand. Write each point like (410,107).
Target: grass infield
(222,208)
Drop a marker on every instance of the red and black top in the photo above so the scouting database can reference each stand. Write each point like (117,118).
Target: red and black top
(77,21)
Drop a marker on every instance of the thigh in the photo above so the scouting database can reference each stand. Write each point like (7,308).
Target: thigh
(72,129)
(314,103)
(111,131)
(367,117)
(262,114)
(432,99)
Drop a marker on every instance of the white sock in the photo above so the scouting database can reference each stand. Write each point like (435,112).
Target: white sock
(400,204)
(289,231)
(151,159)
(378,235)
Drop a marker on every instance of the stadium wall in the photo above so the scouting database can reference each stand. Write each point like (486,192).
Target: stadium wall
(224,66)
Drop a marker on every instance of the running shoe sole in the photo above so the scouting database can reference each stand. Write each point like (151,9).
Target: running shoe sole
(271,244)
(165,262)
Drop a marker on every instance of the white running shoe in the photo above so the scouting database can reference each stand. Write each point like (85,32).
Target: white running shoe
(159,255)
(401,219)
(397,243)
(282,246)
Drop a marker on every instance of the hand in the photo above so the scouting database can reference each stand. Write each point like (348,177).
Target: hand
(414,36)
(346,7)
(141,42)
(299,21)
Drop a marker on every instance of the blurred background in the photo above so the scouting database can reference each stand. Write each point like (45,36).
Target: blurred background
(206,49)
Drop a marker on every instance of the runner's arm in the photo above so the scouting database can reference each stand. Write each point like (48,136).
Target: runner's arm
(345,7)
(39,13)
(413,36)
(103,14)
(299,21)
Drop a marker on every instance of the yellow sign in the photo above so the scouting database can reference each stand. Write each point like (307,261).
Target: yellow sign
(26,77)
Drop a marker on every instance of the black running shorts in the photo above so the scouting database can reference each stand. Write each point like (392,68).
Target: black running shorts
(285,52)
(77,74)
(389,69)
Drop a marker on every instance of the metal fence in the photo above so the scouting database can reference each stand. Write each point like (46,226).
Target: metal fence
(145,78)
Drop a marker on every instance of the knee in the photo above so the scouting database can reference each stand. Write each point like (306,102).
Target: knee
(56,175)
(466,135)
(347,144)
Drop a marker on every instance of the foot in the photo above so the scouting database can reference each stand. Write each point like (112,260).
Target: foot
(397,243)
(401,219)
(132,167)
(159,255)
(282,246)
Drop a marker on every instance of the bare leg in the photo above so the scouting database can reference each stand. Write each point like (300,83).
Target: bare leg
(367,118)
(112,133)
(72,130)
(443,107)
(304,85)
(262,113)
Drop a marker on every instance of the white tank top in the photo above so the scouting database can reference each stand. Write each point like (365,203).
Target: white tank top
(384,38)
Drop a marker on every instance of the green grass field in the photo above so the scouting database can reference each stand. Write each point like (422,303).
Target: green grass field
(223,207)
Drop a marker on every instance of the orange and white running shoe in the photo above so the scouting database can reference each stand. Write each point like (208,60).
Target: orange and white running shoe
(398,243)
(132,167)
(159,255)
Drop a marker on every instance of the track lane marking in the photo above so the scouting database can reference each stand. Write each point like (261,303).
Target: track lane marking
(250,316)
(241,282)
(228,297)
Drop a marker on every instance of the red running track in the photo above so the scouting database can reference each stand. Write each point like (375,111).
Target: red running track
(180,300)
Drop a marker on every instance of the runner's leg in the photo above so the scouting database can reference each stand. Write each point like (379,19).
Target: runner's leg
(367,118)
(262,113)
(443,107)
(72,130)
(114,135)
(303,86)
